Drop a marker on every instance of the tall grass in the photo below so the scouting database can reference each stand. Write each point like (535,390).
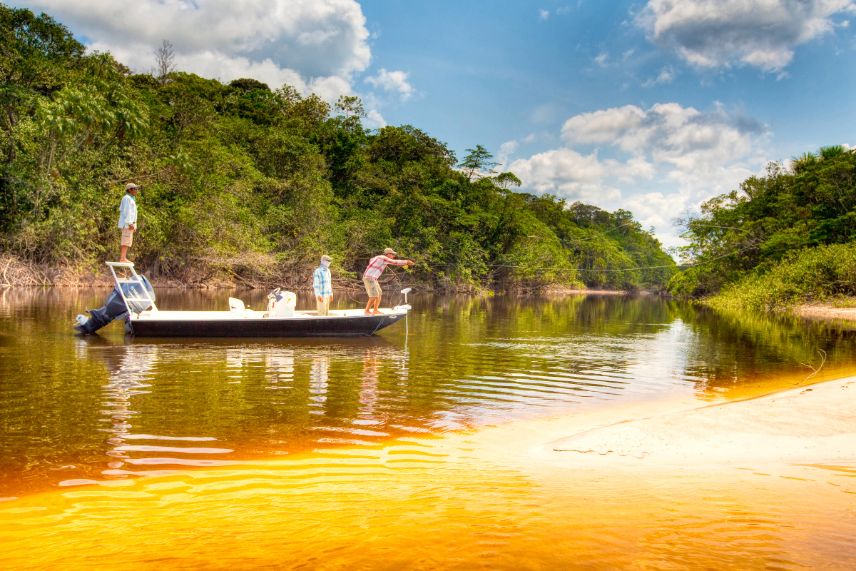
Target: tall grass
(811,275)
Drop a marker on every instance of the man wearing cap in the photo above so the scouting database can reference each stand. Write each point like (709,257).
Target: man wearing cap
(373,271)
(128,219)
(322,283)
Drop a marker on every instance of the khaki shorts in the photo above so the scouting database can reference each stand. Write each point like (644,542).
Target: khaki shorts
(323,305)
(372,287)
(127,237)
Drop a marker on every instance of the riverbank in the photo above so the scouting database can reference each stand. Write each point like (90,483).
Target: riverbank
(17,273)
(845,310)
(813,424)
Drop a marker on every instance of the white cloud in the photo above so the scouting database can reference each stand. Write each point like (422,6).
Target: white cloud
(314,45)
(601,58)
(543,14)
(602,126)
(392,81)
(659,210)
(632,170)
(566,173)
(666,75)
(374,120)
(660,162)
(506,149)
(762,33)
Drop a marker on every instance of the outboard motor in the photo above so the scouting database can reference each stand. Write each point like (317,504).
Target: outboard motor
(114,306)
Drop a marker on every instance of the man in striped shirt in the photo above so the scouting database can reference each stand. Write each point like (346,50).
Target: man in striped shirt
(322,283)
(375,268)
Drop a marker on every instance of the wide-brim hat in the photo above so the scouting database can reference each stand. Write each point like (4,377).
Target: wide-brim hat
(389,251)
(131,186)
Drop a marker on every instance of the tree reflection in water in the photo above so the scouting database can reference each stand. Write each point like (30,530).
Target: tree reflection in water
(456,362)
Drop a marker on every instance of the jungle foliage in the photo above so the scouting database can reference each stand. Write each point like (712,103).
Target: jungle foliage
(785,237)
(252,183)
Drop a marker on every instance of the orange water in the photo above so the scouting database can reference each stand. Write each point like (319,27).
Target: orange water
(132,454)
(493,498)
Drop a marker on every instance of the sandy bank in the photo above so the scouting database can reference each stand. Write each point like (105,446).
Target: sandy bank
(809,425)
(826,311)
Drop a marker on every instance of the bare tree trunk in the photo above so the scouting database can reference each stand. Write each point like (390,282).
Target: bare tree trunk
(165,61)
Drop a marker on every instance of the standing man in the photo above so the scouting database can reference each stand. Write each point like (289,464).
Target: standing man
(375,268)
(128,219)
(322,283)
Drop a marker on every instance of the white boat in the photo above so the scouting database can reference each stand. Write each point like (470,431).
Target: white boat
(134,300)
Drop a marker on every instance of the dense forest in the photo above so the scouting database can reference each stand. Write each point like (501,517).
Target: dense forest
(251,184)
(783,238)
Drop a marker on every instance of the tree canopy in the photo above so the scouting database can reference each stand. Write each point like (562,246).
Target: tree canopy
(771,219)
(254,183)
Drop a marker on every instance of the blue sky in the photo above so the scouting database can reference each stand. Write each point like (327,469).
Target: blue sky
(653,106)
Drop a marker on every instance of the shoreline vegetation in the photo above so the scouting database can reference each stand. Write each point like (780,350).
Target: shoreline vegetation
(244,185)
(15,273)
(784,243)
(249,184)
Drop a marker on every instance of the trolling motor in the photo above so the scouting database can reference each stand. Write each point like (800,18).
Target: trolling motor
(136,294)
(406,305)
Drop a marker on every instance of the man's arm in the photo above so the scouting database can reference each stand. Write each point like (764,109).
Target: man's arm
(392,262)
(123,213)
(316,283)
(132,215)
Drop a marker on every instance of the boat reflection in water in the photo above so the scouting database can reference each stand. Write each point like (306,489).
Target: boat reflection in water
(169,406)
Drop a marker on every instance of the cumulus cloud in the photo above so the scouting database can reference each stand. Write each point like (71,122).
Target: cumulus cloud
(568,174)
(659,162)
(314,45)
(761,34)
(603,126)
(392,81)
(667,132)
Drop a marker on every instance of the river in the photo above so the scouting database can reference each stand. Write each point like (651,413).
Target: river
(413,448)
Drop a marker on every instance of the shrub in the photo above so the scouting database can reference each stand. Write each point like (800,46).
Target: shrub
(810,275)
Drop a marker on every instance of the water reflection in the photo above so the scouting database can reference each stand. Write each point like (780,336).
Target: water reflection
(127,379)
(108,406)
(319,376)
(726,350)
(314,399)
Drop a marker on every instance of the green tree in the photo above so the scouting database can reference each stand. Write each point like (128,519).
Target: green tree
(476,161)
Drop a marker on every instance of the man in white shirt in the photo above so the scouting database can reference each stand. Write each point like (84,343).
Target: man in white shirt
(128,219)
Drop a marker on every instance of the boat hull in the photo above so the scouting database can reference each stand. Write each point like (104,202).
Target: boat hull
(351,326)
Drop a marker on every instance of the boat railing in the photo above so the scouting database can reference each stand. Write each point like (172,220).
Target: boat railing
(133,278)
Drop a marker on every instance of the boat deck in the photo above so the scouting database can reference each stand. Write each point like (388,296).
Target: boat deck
(245,314)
